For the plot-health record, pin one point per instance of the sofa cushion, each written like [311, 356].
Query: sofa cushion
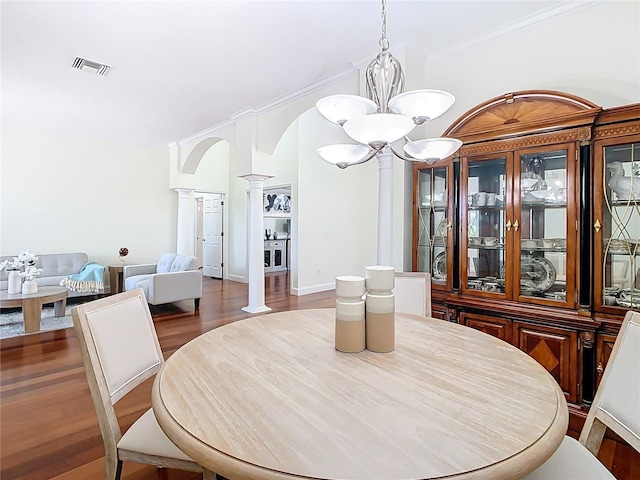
[182, 263]
[164, 264]
[49, 281]
[61, 265]
[138, 281]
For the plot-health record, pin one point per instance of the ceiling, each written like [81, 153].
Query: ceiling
[180, 67]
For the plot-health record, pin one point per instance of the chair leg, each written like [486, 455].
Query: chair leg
[208, 475]
[118, 471]
[196, 303]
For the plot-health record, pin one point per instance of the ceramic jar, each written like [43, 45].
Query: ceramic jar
[350, 317]
[14, 282]
[380, 308]
[29, 286]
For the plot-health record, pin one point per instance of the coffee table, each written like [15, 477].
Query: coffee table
[269, 397]
[31, 304]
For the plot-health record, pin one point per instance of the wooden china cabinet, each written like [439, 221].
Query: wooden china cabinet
[532, 231]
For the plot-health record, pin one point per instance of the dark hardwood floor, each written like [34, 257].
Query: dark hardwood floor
[48, 426]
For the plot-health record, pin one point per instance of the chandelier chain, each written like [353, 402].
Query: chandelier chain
[384, 43]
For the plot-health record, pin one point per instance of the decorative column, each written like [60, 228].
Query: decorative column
[256, 245]
[385, 208]
[185, 239]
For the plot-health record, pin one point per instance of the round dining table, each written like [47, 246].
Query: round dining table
[269, 397]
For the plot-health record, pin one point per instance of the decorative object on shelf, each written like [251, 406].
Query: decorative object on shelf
[386, 116]
[267, 234]
[440, 266]
[350, 317]
[275, 235]
[533, 188]
[440, 199]
[490, 241]
[123, 252]
[380, 308]
[625, 188]
[618, 245]
[537, 274]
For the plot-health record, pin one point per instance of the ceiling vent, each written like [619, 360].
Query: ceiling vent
[82, 63]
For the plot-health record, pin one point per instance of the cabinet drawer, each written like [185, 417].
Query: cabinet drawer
[555, 349]
[497, 327]
[274, 244]
[439, 311]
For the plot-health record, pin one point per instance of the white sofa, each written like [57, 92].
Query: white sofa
[55, 267]
[174, 278]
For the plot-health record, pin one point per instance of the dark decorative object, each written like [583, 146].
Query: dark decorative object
[277, 203]
[123, 252]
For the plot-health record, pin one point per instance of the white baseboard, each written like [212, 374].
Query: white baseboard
[237, 278]
[312, 289]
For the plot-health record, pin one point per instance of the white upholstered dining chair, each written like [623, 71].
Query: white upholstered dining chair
[413, 293]
[120, 350]
[616, 405]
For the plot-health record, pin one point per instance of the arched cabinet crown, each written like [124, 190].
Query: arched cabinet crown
[526, 112]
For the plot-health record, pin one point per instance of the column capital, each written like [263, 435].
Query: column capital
[183, 192]
[256, 178]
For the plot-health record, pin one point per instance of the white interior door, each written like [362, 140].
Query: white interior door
[212, 235]
[199, 230]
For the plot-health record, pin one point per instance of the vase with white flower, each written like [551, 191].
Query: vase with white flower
[30, 273]
[14, 280]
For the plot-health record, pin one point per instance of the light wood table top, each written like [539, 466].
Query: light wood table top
[270, 398]
[31, 304]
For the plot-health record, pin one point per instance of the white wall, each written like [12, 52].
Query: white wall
[336, 211]
[64, 193]
[593, 52]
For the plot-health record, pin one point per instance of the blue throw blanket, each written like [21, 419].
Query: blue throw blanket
[89, 280]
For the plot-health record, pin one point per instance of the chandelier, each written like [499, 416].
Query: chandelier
[386, 116]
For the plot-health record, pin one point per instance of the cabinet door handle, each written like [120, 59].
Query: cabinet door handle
[516, 225]
[597, 226]
[449, 225]
[508, 225]
[599, 368]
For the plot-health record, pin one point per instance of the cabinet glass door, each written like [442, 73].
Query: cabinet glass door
[486, 206]
[543, 226]
[433, 225]
[618, 228]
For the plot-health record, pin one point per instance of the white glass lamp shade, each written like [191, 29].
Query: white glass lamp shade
[379, 129]
[432, 149]
[342, 108]
[422, 104]
[343, 154]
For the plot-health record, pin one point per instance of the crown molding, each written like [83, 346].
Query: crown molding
[527, 22]
[314, 87]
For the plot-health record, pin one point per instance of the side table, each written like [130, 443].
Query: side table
[115, 278]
